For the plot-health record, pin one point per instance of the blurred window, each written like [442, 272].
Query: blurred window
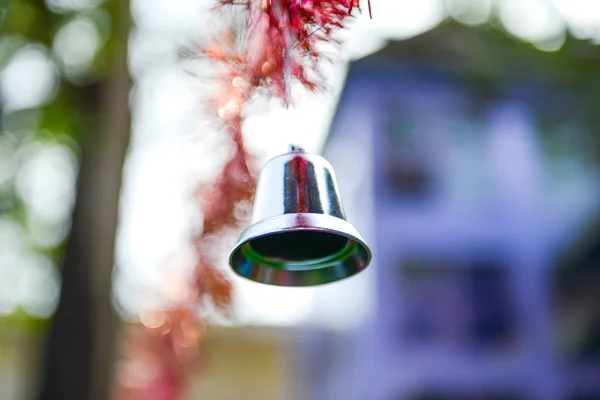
[463, 303]
[409, 170]
[434, 137]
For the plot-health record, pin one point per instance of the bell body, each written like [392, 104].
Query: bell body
[298, 234]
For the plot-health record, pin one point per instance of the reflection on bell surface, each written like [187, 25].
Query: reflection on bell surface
[299, 235]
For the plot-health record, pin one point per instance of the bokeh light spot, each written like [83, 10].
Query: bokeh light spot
[46, 180]
[76, 44]
[28, 80]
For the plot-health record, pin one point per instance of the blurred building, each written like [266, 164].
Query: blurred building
[468, 157]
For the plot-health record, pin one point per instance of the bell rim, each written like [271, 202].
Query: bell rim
[300, 222]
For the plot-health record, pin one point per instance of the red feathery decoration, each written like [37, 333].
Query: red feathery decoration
[280, 42]
[158, 359]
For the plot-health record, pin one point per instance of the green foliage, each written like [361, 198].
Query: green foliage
[68, 114]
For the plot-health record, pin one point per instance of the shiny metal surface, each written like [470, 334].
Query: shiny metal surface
[298, 234]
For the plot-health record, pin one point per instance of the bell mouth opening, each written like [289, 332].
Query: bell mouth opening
[298, 251]
[297, 248]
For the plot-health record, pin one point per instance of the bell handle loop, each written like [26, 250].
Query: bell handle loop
[295, 148]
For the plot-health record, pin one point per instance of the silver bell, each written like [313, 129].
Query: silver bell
[298, 235]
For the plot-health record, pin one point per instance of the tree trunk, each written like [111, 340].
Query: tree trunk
[80, 349]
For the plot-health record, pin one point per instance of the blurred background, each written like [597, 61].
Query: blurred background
[464, 138]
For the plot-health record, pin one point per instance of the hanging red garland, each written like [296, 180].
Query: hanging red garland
[280, 41]
[277, 45]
